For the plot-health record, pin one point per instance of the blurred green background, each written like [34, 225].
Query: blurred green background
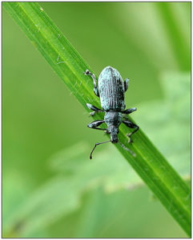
[50, 188]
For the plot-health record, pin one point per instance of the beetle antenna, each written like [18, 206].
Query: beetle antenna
[127, 149]
[95, 147]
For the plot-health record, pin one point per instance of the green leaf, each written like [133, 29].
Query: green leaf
[62, 194]
[170, 120]
[152, 167]
[74, 175]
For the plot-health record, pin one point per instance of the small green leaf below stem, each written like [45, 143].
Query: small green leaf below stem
[149, 163]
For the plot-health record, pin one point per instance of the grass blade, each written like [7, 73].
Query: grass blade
[151, 166]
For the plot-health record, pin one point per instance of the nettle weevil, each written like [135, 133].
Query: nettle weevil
[111, 89]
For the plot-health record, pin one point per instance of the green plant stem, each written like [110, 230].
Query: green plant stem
[149, 163]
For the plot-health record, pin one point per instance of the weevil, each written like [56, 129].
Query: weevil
[111, 90]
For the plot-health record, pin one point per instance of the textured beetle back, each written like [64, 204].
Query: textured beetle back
[111, 90]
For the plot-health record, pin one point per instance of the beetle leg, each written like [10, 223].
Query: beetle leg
[125, 118]
[131, 125]
[130, 110]
[126, 84]
[87, 72]
[95, 109]
[95, 125]
[96, 144]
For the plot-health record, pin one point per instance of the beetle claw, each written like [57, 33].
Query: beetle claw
[129, 136]
[130, 141]
[92, 113]
[87, 72]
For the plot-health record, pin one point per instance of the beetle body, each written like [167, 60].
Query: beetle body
[111, 89]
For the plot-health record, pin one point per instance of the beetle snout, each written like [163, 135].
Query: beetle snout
[114, 139]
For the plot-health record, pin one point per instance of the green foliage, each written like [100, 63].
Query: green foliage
[62, 194]
[168, 121]
[149, 163]
[75, 176]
